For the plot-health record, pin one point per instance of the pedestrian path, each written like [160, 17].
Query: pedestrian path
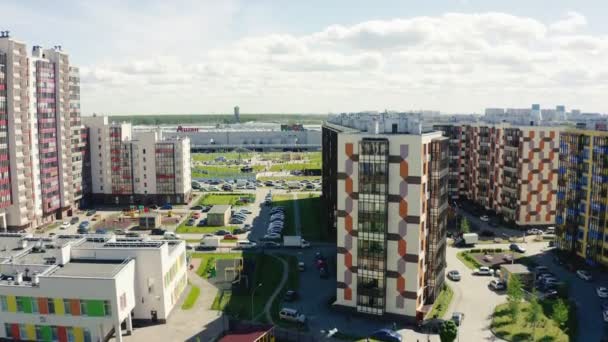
[277, 290]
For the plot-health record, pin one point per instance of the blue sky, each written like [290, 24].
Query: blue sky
[188, 56]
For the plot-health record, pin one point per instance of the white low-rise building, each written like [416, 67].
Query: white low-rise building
[83, 288]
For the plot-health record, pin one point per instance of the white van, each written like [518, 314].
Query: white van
[292, 315]
[244, 244]
[171, 236]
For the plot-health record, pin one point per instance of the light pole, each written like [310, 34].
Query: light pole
[252, 293]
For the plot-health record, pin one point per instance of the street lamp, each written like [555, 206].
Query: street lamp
[252, 293]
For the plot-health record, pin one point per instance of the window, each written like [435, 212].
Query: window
[144, 152]
[67, 307]
[83, 308]
[107, 308]
[51, 305]
[3, 304]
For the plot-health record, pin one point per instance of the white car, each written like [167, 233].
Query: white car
[65, 225]
[585, 275]
[484, 218]
[483, 271]
[602, 292]
[292, 315]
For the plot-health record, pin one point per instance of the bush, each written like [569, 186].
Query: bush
[474, 250]
[498, 250]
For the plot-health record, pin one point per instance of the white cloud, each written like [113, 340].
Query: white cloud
[454, 62]
[573, 22]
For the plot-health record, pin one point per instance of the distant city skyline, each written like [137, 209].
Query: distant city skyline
[206, 57]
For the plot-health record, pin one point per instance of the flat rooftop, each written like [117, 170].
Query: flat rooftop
[219, 209]
[90, 268]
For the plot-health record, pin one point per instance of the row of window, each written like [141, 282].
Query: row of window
[31, 332]
[55, 306]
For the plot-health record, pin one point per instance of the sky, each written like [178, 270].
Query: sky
[455, 56]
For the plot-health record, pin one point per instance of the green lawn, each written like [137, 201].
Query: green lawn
[228, 155]
[296, 166]
[313, 227]
[224, 199]
[286, 201]
[293, 283]
[183, 229]
[195, 291]
[467, 260]
[238, 305]
[521, 330]
[208, 261]
[442, 303]
[288, 178]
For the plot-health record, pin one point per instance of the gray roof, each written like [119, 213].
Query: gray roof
[90, 268]
[219, 209]
[516, 268]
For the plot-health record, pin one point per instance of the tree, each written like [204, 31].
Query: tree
[560, 312]
[464, 226]
[534, 313]
[448, 331]
[515, 294]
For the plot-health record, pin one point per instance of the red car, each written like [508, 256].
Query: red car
[196, 215]
[230, 237]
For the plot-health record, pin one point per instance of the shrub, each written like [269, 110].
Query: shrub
[498, 250]
[474, 250]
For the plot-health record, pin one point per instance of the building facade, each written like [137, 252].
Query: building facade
[82, 288]
[140, 168]
[41, 114]
[583, 195]
[511, 170]
[391, 209]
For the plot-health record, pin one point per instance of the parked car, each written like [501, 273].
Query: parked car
[158, 231]
[585, 275]
[497, 285]
[605, 316]
[83, 224]
[454, 275]
[197, 207]
[236, 221]
[484, 218]
[205, 209]
[292, 315]
[245, 211]
[245, 244]
[82, 230]
[196, 215]
[167, 207]
[74, 220]
[91, 212]
[202, 223]
[238, 231]
[272, 236]
[290, 296]
[386, 335]
[153, 207]
[230, 237]
[222, 232]
[190, 222]
[483, 271]
[119, 231]
[551, 294]
[458, 318]
[247, 227]
[133, 234]
[323, 273]
[517, 248]
[602, 292]
[271, 244]
[171, 236]
[65, 225]
[301, 266]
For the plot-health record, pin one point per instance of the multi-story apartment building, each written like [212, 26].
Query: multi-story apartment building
[140, 168]
[77, 288]
[37, 104]
[583, 195]
[390, 204]
[509, 169]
